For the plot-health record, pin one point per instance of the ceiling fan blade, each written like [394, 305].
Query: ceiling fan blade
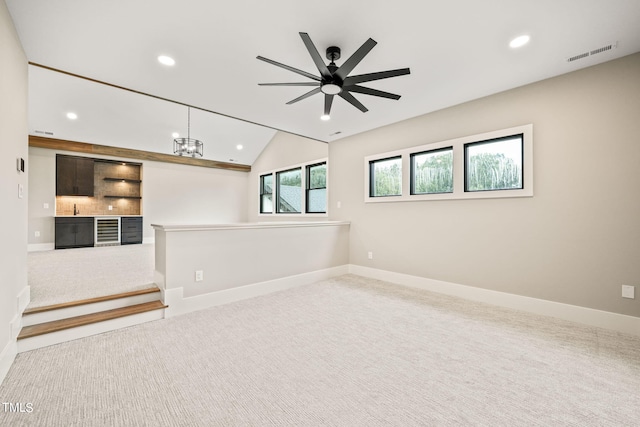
[328, 100]
[369, 91]
[355, 59]
[290, 84]
[306, 95]
[286, 67]
[353, 101]
[361, 78]
[315, 55]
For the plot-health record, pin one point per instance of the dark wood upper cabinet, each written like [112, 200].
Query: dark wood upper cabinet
[74, 176]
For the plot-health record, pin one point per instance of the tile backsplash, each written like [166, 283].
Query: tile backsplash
[99, 204]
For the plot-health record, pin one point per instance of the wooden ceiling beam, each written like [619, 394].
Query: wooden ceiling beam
[105, 150]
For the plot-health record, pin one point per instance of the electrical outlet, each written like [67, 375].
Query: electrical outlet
[37, 234]
[628, 291]
[199, 276]
[110, 207]
[370, 255]
[45, 205]
[339, 204]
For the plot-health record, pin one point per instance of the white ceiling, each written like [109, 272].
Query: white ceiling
[457, 51]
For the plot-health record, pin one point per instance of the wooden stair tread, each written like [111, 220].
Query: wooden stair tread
[90, 301]
[72, 322]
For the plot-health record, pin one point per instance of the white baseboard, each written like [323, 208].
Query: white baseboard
[7, 357]
[584, 315]
[37, 247]
[178, 304]
[24, 298]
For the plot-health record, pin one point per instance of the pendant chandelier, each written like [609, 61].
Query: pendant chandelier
[188, 146]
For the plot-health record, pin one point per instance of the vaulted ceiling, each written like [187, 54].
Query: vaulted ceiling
[457, 50]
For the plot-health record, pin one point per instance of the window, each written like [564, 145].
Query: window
[316, 178]
[297, 189]
[289, 191]
[266, 193]
[494, 164]
[385, 177]
[432, 171]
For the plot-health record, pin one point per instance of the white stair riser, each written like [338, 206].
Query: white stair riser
[65, 313]
[71, 334]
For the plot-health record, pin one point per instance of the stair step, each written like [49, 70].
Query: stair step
[90, 301]
[87, 319]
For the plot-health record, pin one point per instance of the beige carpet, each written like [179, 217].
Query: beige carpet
[75, 274]
[343, 352]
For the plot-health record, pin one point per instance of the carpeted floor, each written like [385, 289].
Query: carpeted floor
[348, 351]
[75, 274]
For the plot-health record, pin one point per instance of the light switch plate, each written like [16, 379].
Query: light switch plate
[628, 291]
[20, 191]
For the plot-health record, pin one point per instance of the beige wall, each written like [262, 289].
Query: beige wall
[171, 194]
[282, 151]
[576, 241]
[13, 215]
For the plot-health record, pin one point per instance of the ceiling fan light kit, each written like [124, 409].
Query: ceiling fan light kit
[335, 80]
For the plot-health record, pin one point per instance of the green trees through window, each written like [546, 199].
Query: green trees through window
[385, 177]
[494, 165]
[432, 171]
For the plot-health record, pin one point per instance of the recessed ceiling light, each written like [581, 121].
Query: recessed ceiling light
[239, 147]
[175, 134]
[72, 116]
[166, 60]
[325, 117]
[519, 41]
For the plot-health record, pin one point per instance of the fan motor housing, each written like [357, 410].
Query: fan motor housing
[333, 53]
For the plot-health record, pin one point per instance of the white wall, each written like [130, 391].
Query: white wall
[13, 214]
[576, 241]
[171, 194]
[244, 260]
[177, 194]
[282, 151]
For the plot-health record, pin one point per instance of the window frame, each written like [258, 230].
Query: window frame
[372, 176]
[263, 193]
[277, 191]
[491, 141]
[303, 197]
[458, 168]
[412, 156]
[308, 188]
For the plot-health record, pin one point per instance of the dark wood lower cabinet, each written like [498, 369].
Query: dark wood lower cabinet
[74, 232]
[130, 230]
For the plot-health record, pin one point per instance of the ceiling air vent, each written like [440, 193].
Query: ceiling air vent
[43, 132]
[605, 48]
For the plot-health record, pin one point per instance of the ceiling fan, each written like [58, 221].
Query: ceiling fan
[334, 80]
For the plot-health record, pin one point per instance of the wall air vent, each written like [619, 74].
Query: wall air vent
[605, 48]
